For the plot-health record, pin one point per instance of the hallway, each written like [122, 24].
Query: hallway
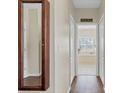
[87, 84]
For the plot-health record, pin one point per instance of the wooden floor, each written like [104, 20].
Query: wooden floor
[32, 81]
[87, 84]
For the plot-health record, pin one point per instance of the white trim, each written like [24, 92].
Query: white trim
[71, 17]
[71, 20]
[76, 50]
[70, 81]
[97, 50]
[101, 18]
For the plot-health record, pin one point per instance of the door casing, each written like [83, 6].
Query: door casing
[72, 23]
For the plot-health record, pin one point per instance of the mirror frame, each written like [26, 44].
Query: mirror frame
[45, 45]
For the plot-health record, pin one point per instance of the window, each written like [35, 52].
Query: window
[87, 45]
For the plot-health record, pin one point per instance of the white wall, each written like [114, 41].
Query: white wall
[52, 72]
[90, 32]
[86, 13]
[63, 10]
[101, 10]
[61, 46]
[72, 9]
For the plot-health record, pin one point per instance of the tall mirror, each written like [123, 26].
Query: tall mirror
[33, 45]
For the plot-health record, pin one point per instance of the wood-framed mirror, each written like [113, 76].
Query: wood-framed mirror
[33, 44]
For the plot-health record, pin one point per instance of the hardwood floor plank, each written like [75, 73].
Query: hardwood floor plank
[32, 81]
[87, 84]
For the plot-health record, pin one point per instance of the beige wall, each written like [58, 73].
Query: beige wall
[86, 13]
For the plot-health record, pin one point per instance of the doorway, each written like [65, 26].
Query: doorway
[87, 49]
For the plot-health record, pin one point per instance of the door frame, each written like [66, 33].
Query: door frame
[99, 22]
[74, 23]
[97, 47]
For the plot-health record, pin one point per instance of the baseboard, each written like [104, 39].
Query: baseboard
[102, 84]
[100, 81]
[69, 89]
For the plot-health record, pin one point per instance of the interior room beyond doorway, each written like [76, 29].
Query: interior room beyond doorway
[87, 60]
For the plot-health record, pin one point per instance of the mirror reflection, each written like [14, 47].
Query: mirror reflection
[32, 44]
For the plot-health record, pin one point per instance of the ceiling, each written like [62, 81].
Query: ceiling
[87, 3]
